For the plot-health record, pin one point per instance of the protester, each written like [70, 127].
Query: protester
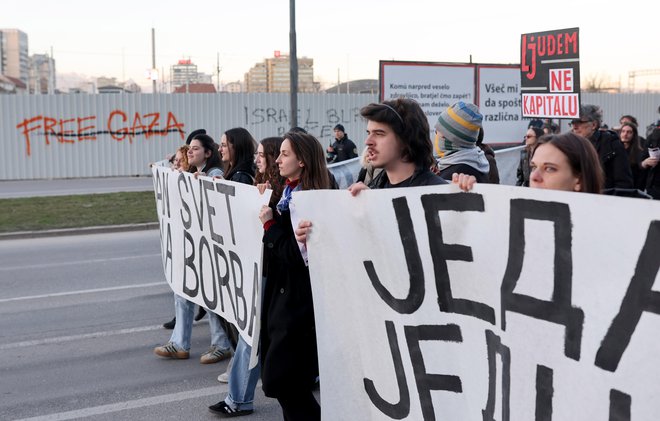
[238, 149]
[612, 155]
[203, 159]
[493, 172]
[203, 156]
[630, 139]
[343, 148]
[368, 172]
[288, 336]
[531, 137]
[650, 164]
[631, 119]
[456, 131]
[566, 162]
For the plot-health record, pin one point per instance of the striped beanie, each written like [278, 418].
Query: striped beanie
[459, 124]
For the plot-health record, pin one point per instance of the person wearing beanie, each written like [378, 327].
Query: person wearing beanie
[612, 153]
[343, 148]
[456, 134]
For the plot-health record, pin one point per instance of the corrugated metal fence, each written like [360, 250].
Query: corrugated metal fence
[67, 136]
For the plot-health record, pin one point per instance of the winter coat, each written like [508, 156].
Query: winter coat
[524, 171]
[613, 159]
[289, 361]
[344, 149]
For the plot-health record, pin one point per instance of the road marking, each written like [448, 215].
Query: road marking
[134, 404]
[82, 291]
[77, 262]
[60, 339]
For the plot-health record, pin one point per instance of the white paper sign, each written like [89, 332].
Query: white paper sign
[211, 244]
[505, 303]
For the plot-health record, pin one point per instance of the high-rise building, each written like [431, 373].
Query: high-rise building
[182, 73]
[274, 75]
[42, 74]
[14, 54]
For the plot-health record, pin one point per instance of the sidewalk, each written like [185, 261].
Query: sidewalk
[62, 187]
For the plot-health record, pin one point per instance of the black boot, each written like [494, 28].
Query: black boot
[200, 314]
[170, 325]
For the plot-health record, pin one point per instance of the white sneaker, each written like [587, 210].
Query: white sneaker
[224, 377]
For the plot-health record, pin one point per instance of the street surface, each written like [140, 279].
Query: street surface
[79, 318]
[63, 187]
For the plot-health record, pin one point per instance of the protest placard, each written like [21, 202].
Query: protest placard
[211, 244]
[500, 304]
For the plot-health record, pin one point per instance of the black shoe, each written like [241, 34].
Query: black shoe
[225, 411]
[170, 325]
[200, 314]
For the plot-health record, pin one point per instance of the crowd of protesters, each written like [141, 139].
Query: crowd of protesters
[398, 153]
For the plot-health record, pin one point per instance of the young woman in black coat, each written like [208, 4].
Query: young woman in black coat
[289, 358]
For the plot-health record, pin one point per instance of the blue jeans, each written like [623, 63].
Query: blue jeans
[184, 311]
[242, 380]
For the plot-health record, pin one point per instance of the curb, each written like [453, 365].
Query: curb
[78, 231]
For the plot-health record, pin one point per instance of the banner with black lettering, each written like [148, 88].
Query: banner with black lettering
[211, 244]
[504, 303]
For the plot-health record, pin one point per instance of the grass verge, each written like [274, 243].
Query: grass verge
[43, 213]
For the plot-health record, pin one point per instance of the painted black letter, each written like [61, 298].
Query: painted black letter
[401, 409]
[425, 381]
[407, 233]
[560, 309]
[619, 406]
[494, 346]
[441, 252]
[639, 298]
[544, 392]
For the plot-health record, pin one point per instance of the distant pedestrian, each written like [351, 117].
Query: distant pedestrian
[343, 148]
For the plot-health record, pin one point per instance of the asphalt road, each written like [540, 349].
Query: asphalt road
[79, 317]
[63, 187]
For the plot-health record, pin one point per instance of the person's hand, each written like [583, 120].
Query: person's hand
[151, 164]
[463, 181]
[263, 187]
[304, 228]
[356, 188]
[649, 162]
[198, 173]
[331, 149]
[218, 177]
[265, 214]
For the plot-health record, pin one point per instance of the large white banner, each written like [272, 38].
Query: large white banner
[211, 244]
[500, 304]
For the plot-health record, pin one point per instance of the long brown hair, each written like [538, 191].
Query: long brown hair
[581, 156]
[271, 146]
[309, 150]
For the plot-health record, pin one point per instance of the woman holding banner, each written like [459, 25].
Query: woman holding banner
[288, 335]
[566, 162]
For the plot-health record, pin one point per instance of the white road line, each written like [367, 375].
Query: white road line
[82, 291]
[134, 404]
[70, 338]
[77, 262]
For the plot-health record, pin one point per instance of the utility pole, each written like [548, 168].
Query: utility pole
[153, 59]
[217, 68]
[293, 62]
[52, 80]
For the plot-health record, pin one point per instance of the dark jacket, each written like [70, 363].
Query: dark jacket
[613, 159]
[652, 174]
[464, 169]
[289, 361]
[493, 172]
[242, 173]
[524, 171]
[421, 177]
[344, 149]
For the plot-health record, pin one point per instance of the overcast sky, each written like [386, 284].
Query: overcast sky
[114, 38]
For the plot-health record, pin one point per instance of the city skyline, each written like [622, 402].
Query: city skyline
[346, 40]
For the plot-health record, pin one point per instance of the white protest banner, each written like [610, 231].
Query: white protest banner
[345, 172]
[499, 101]
[505, 303]
[211, 244]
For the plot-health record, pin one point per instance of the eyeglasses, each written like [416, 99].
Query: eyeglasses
[578, 122]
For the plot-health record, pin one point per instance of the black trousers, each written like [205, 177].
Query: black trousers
[300, 407]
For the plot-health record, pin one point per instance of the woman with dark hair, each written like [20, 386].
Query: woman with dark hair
[566, 162]
[241, 379]
[631, 142]
[237, 148]
[203, 156]
[531, 137]
[289, 361]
